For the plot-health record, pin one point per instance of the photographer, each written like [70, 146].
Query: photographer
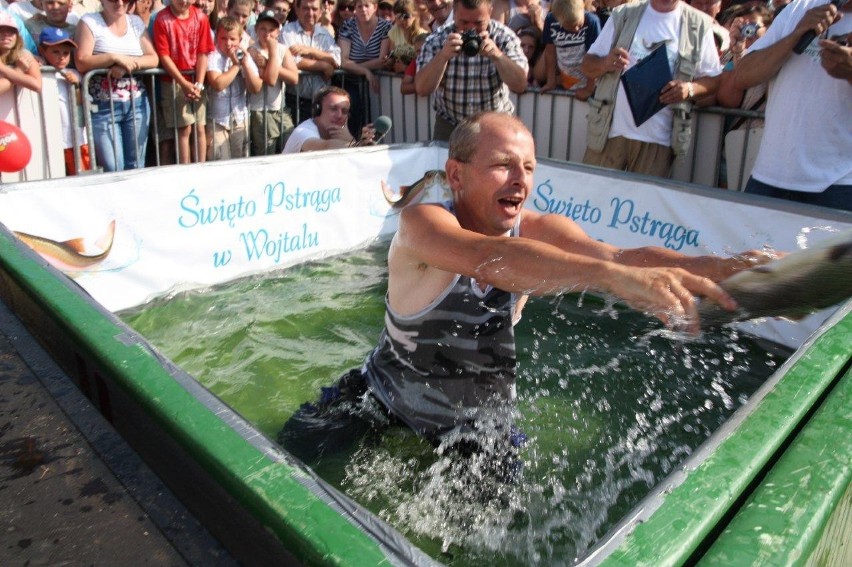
[470, 66]
[804, 155]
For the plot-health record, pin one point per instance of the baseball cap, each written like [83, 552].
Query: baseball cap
[267, 15]
[55, 36]
[8, 21]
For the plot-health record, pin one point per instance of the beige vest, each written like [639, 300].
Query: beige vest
[625, 18]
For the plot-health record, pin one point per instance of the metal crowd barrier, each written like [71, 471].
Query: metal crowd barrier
[557, 120]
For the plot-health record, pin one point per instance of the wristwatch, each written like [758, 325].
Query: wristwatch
[199, 86]
[690, 91]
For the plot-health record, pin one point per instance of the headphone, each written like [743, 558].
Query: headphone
[316, 106]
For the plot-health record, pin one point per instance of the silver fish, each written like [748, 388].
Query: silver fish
[791, 287]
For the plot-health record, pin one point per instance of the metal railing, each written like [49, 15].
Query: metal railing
[557, 120]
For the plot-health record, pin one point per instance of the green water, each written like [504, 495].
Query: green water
[610, 401]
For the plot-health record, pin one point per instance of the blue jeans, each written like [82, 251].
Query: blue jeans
[835, 196]
[120, 143]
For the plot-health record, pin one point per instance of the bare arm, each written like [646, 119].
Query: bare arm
[509, 71]
[762, 65]
[24, 73]
[430, 246]
[594, 66]
[428, 77]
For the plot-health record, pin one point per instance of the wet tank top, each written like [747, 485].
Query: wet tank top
[446, 365]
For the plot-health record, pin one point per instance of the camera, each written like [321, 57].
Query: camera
[471, 42]
[749, 30]
[240, 54]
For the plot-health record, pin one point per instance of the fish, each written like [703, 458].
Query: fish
[71, 256]
[791, 287]
[432, 187]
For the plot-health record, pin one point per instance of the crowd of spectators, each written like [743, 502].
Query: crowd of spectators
[240, 74]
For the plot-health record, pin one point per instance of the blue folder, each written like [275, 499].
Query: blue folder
[643, 83]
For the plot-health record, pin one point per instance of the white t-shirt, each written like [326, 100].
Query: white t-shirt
[228, 106]
[65, 116]
[654, 27]
[807, 140]
[269, 98]
[303, 132]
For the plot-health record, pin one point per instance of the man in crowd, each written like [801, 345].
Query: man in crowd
[327, 130]
[315, 52]
[441, 11]
[805, 153]
[456, 275]
[477, 79]
[632, 33]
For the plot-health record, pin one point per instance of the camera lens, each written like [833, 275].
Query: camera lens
[471, 43]
[748, 30]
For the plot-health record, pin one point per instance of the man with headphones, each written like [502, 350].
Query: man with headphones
[327, 130]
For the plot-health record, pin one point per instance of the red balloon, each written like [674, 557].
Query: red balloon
[15, 149]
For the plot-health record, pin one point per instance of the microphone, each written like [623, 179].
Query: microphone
[382, 125]
[809, 35]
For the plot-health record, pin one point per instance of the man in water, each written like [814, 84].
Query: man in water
[458, 271]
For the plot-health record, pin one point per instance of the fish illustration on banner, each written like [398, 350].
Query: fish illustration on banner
[431, 188]
[71, 256]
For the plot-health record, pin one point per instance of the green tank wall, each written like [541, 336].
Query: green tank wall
[774, 490]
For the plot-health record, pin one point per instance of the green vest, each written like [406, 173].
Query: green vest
[625, 18]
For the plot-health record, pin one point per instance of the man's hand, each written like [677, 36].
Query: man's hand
[836, 59]
[489, 48]
[669, 294]
[452, 47]
[817, 19]
[674, 92]
[616, 60]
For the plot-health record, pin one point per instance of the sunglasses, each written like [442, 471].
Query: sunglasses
[346, 7]
[404, 16]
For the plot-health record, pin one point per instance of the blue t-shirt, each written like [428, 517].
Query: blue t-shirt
[571, 47]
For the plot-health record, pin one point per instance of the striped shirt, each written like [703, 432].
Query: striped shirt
[360, 51]
[471, 84]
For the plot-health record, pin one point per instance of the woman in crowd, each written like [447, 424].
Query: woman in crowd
[117, 41]
[364, 47]
[532, 48]
[406, 27]
[18, 68]
[344, 12]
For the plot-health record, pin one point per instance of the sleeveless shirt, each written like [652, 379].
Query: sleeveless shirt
[446, 365]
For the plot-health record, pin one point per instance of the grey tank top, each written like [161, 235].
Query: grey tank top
[443, 367]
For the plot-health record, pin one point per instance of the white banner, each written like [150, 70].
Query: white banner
[183, 227]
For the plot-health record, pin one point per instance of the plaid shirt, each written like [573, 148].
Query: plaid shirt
[471, 84]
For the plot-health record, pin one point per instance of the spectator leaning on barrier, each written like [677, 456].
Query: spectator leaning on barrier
[805, 152]
[56, 47]
[406, 27]
[231, 75]
[270, 122]
[116, 41]
[327, 129]
[569, 31]
[315, 53]
[18, 67]
[182, 40]
[632, 32]
[533, 51]
[476, 79]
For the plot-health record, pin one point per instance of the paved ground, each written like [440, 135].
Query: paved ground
[71, 491]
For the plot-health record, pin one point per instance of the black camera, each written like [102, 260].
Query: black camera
[471, 42]
[749, 30]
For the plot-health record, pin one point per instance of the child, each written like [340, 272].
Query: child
[569, 31]
[182, 40]
[56, 15]
[230, 73]
[18, 67]
[270, 122]
[407, 84]
[56, 46]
